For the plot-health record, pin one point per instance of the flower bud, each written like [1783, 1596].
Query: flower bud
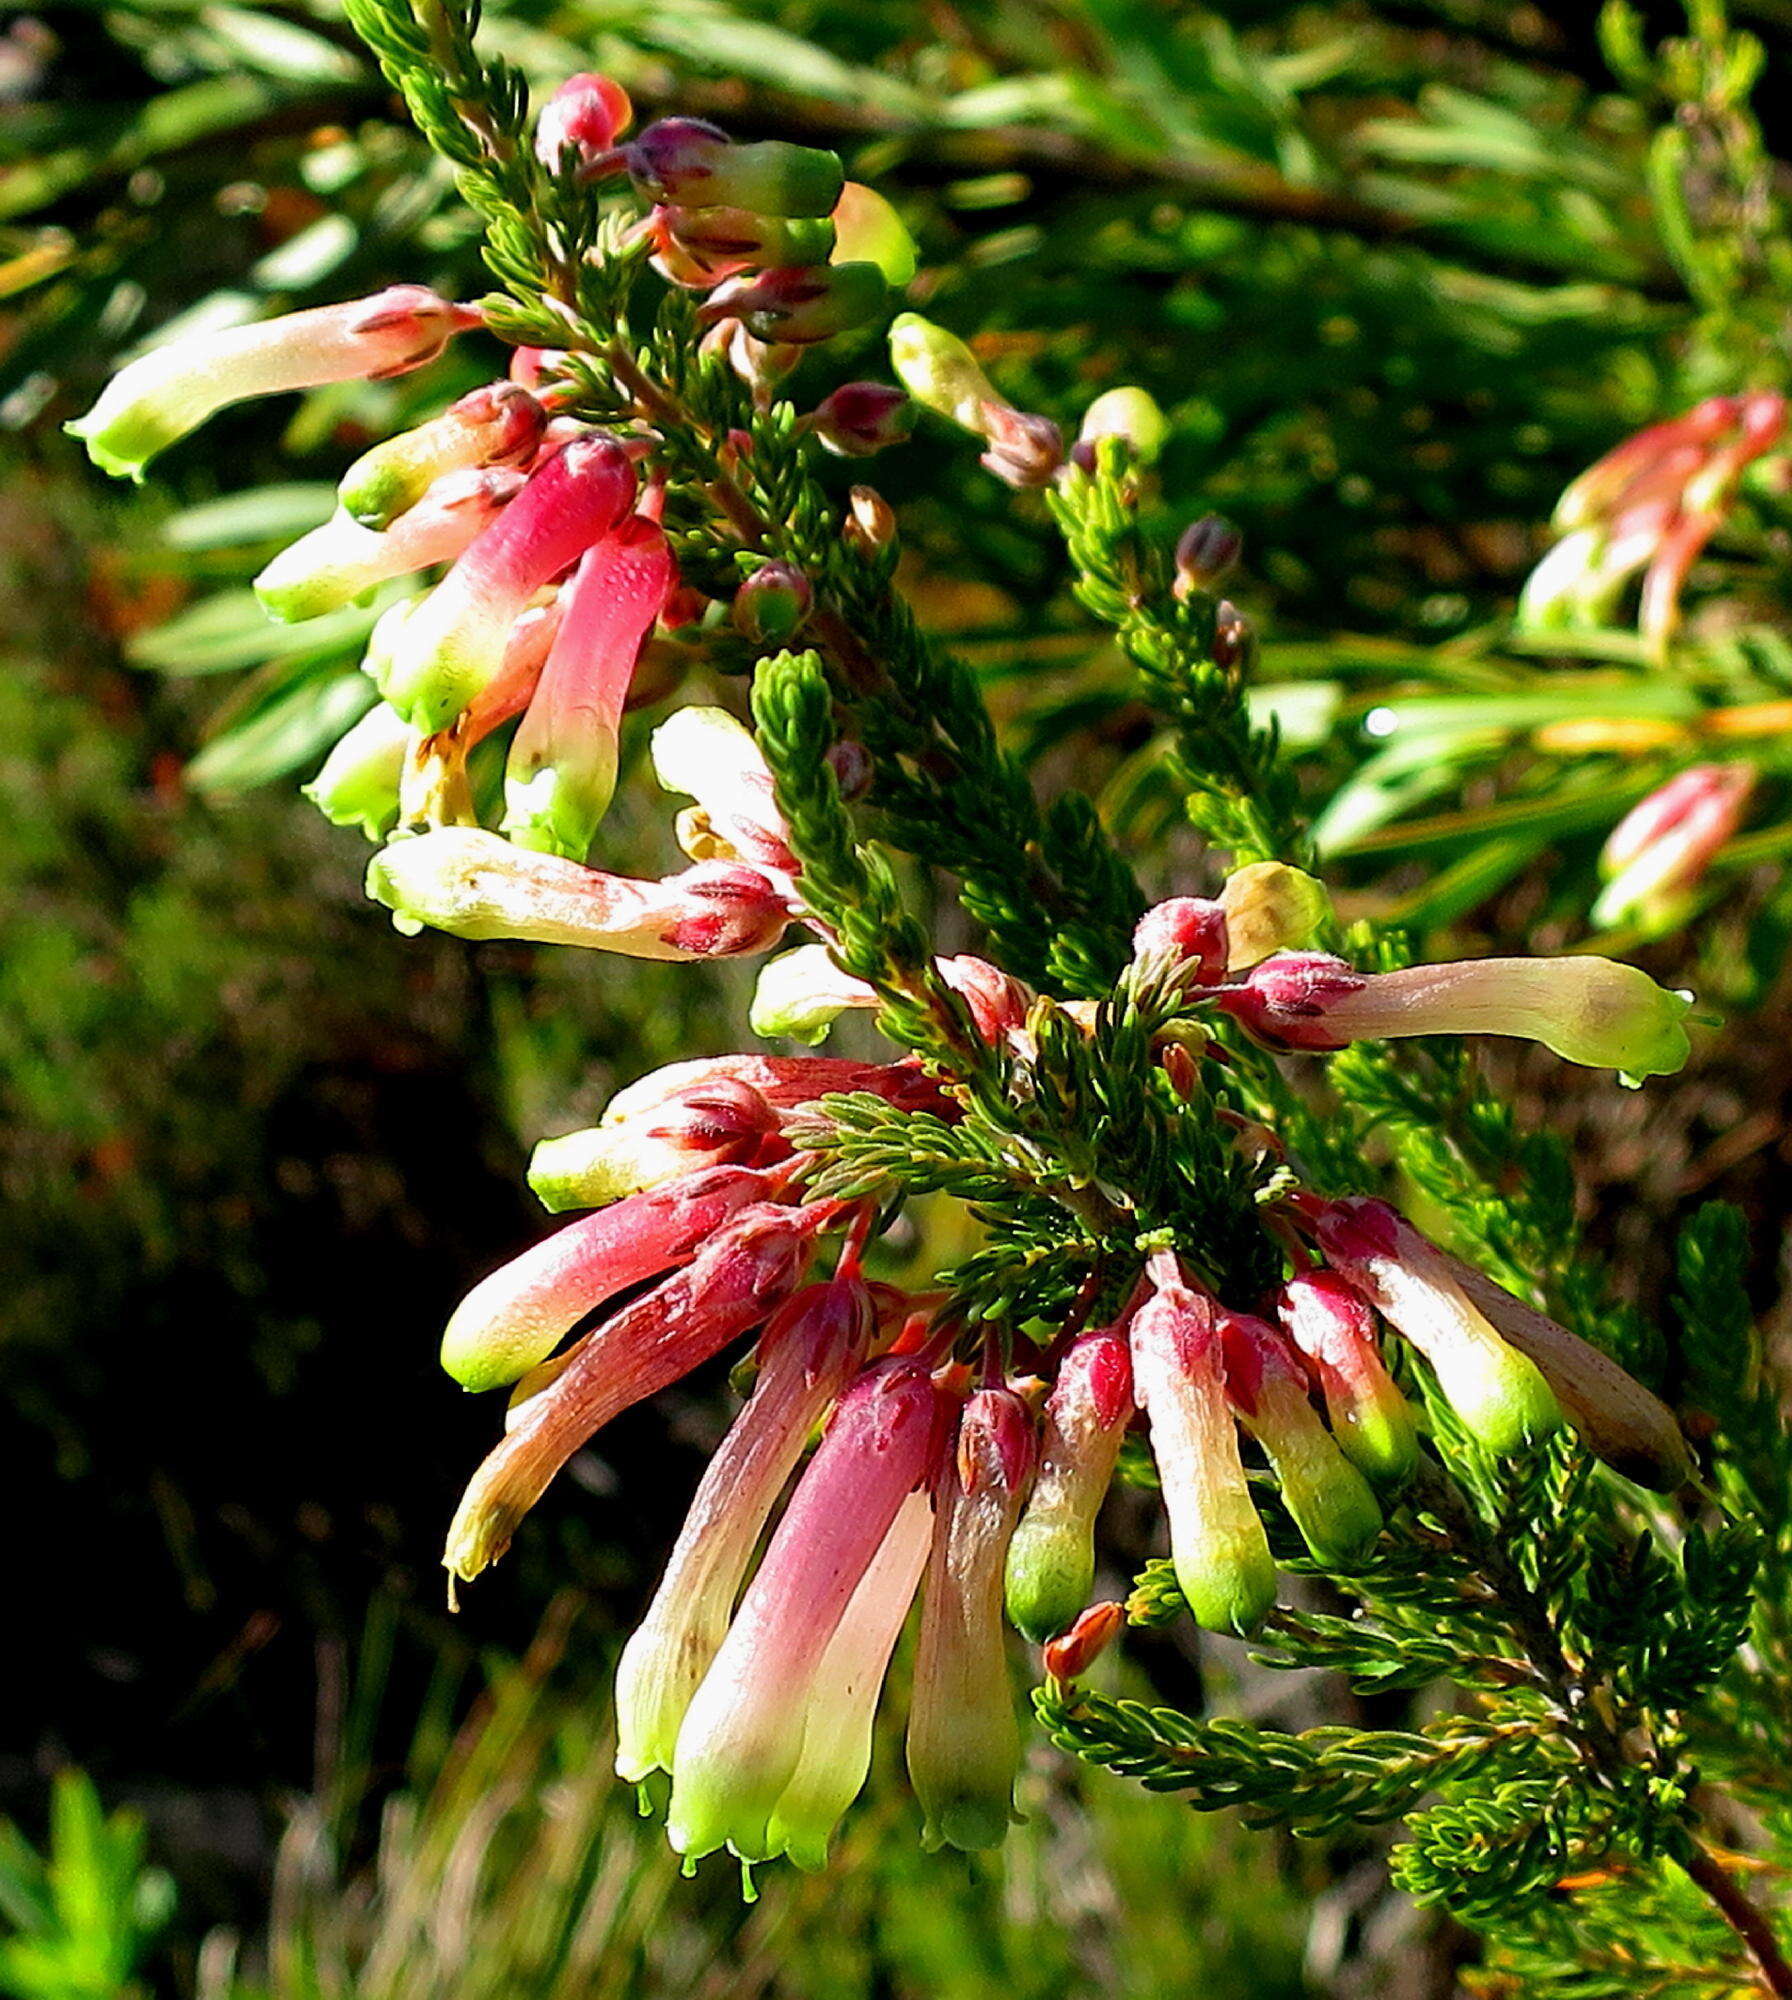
[799, 304]
[709, 756]
[861, 418]
[735, 1281]
[1661, 848]
[868, 230]
[1234, 640]
[870, 529]
[692, 164]
[1068, 1657]
[335, 564]
[1051, 1560]
[500, 424]
[1190, 932]
[171, 390]
[1501, 1397]
[1586, 1010]
[561, 773]
[1024, 450]
[721, 1122]
[998, 1003]
[582, 119]
[1270, 907]
[1127, 413]
[802, 993]
[1334, 1327]
[455, 643]
[963, 1739]
[1217, 1544]
[769, 608]
[358, 785]
[842, 1706]
[1207, 551]
[478, 885]
[700, 247]
[814, 1343]
[520, 1314]
[1327, 1496]
[852, 768]
[742, 1739]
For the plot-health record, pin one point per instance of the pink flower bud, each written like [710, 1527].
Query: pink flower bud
[1328, 1498]
[799, 304]
[1500, 1396]
[861, 418]
[1206, 553]
[1073, 1653]
[521, 1313]
[739, 1277]
[742, 1738]
[478, 885]
[963, 1739]
[770, 607]
[1234, 640]
[171, 390]
[583, 118]
[692, 164]
[700, 247]
[538, 368]
[1051, 1560]
[1024, 450]
[561, 774]
[1217, 1544]
[455, 644]
[1334, 1327]
[998, 1004]
[1662, 847]
[335, 564]
[813, 1344]
[500, 424]
[1190, 931]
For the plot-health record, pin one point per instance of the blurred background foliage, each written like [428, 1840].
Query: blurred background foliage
[1396, 271]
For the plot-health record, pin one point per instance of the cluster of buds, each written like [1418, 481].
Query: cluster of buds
[1648, 508]
[1658, 853]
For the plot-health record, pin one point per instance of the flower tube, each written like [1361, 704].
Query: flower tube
[742, 1739]
[1586, 1010]
[963, 1739]
[358, 784]
[797, 305]
[1327, 1496]
[509, 691]
[478, 885]
[454, 644]
[1217, 1544]
[1661, 848]
[710, 757]
[1501, 1397]
[562, 769]
[689, 163]
[335, 564]
[160, 397]
[500, 424]
[513, 1319]
[814, 1343]
[699, 247]
[836, 1754]
[1051, 1560]
[741, 1275]
[1333, 1325]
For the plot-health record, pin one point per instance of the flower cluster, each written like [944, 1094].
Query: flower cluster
[962, 1459]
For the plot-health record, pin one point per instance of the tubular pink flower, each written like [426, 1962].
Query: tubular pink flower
[454, 644]
[335, 564]
[797, 305]
[1592, 496]
[813, 1344]
[741, 1275]
[690, 163]
[707, 1112]
[710, 757]
[836, 1753]
[508, 693]
[742, 1738]
[1586, 1010]
[583, 120]
[862, 418]
[1051, 1560]
[1501, 1397]
[171, 390]
[562, 770]
[478, 885]
[1190, 931]
[500, 424]
[1333, 1325]
[963, 1739]
[1662, 847]
[1217, 1544]
[700, 247]
[1327, 1496]
[520, 1314]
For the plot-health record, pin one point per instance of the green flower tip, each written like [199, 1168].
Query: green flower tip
[1229, 1592]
